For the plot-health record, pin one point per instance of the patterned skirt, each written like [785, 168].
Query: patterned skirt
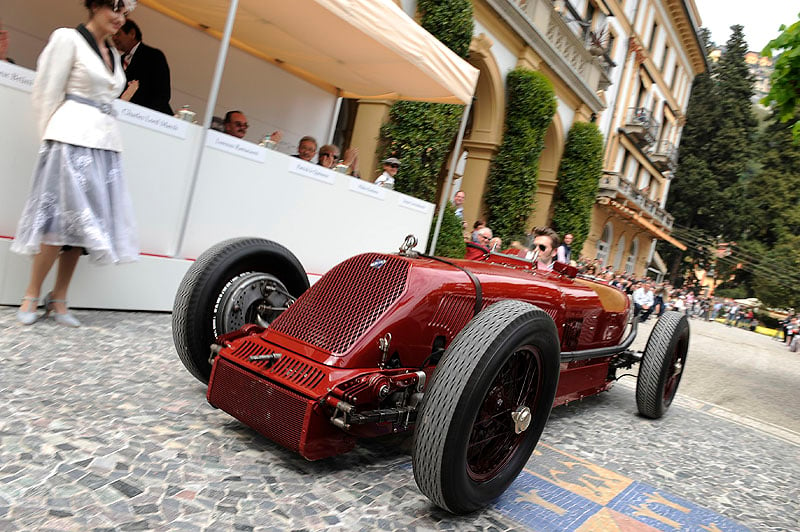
[79, 198]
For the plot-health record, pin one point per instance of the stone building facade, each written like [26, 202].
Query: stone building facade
[627, 65]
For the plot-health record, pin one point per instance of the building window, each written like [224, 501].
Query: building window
[630, 171]
[604, 244]
[620, 253]
[664, 56]
[644, 181]
[641, 97]
[630, 264]
[655, 191]
[674, 75]
[610, 46]
[652, 42]
[590, 9]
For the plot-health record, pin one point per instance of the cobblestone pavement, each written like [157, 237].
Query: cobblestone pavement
[101, 428]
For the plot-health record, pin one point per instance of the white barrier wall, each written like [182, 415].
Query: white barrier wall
[242, 190]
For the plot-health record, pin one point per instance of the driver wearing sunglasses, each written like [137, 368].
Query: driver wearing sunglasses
[545, 242]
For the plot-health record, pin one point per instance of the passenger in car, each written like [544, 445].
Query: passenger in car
[476, 250]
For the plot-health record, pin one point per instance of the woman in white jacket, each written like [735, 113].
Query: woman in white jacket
[79, 201]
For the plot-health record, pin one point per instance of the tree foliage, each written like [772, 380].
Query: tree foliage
[513, 176]
[421, 134]
[578, 177]
[716, 152]
[773, 195]
[784, 90]
[451, 236]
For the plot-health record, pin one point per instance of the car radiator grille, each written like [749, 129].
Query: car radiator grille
[271, 410]
[288, 367]
[338, 308]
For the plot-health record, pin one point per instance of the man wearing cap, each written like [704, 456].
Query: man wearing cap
[390, 167]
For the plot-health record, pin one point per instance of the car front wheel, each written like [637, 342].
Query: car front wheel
[486, 406]
[238, 281]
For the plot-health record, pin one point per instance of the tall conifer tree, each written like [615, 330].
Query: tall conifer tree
[731, 151]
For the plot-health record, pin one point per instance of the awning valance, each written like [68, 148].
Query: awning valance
[354, 48]
[641, 221]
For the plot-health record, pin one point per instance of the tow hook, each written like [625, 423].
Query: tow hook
[383, 345]
[215, 349]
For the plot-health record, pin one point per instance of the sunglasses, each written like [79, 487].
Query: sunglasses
[541, 247]
[327, 155]
[394, 165]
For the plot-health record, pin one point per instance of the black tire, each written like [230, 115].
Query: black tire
[662, 364]
[194, 314]
[470, 399]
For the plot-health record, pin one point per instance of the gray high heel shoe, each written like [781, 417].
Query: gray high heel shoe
[31, 316]
[66, 319]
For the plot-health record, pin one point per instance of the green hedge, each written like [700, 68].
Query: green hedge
[512, 179]
[421, 134]
[451, 235]
[578, 178]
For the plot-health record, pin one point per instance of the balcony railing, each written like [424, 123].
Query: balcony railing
[641, 126]
[665, 156]
[614, 186]
[568, 35]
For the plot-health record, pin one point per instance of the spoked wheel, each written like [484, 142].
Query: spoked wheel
[238, 281]
[505, 415]
[662, 364]
[486, 406]
[250, 297]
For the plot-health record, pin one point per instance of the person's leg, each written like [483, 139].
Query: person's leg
[42, 262]
[66, 267]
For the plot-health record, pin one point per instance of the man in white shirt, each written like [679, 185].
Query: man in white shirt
[643, 301]
[458, 203]
[390, 168]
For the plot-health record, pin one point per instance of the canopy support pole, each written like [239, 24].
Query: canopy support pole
[334, 119]
[222, 57]
[450, 173]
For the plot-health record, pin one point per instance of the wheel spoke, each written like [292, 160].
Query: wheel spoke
[493, 439]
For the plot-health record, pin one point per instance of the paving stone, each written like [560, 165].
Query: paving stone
[126, 489]
[133, 445]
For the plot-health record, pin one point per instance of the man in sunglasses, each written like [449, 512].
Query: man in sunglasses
[390, 168]
[545, 241]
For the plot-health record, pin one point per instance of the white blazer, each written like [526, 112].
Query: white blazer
[69, 65]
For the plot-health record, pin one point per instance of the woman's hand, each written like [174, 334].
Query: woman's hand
[133, 86]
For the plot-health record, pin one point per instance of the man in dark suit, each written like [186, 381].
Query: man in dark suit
[147, 65]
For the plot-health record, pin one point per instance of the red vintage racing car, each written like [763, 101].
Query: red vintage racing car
[470, 355]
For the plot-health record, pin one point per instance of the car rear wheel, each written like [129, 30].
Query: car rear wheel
[238, 281]
[486, 406]
[662, 364]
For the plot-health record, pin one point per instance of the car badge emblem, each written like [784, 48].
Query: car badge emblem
[377, 264]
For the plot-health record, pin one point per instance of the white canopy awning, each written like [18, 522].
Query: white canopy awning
[354, 48]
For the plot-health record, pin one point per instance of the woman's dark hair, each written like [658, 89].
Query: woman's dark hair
[101, 3]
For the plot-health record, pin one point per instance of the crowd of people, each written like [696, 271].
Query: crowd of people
[650, 298]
